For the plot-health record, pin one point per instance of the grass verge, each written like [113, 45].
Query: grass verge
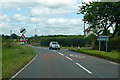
[112, 56]
[13, 58]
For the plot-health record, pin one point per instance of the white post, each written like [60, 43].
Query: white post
[71, 46]
[78, 47]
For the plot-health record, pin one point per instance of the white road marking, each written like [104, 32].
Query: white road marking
[113, 62]
[71, 54]
[68, 58]
[23, 68]
[84, 68]
[53, 50]
[75, 55]
[60, 53]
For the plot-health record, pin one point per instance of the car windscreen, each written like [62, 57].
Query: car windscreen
[54, 43]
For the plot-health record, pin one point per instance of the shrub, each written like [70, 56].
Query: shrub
[114, 44]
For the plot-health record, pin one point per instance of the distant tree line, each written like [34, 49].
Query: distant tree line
[74, 40]
[6, 38]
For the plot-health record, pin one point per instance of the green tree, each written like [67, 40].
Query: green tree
[118, 33]
[102, 15]
[14, 36]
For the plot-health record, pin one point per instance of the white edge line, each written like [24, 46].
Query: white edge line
[68, 58]
[84, 68]
[23, 68]
[113, 62]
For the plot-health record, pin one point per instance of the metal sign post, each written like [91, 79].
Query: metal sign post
[22, 39]
[103, 38]
[99, 44]
[106, 45]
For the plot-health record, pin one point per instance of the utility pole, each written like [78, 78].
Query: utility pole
[84, 30]
[84, 24]
[10, 34]
[35, 31]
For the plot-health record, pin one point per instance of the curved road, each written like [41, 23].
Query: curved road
[67, 64]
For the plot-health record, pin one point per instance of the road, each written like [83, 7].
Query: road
[67, 64]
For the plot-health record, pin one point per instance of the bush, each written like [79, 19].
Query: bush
[64, 41]
[114, 44]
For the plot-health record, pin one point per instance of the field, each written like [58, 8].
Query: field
[13, 58]
[113, 56]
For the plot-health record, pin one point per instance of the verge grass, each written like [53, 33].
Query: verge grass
[112, 56]
[13, 59]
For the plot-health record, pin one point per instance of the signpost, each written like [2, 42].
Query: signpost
[22, 39]
[102, 38]
[23, 30]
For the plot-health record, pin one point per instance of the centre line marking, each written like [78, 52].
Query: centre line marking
[60, 53]
[84, 68]
[68, 58]
[53, 50]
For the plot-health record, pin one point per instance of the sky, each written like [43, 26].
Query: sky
[48, 17]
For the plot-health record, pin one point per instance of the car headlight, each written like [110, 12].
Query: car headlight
[59, 46]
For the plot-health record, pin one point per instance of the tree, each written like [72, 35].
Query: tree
[102, 15]
[14, 36]
[118, 33]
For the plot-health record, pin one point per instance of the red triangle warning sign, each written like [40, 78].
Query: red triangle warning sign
[22, 39]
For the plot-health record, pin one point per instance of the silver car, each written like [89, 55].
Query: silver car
[54, 45]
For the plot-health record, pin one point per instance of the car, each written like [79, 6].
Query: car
[54, 45]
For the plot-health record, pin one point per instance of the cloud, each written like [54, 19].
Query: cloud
[18, 9]
[47, 16]
[19, 17]
[6, 27]
[52, 26]
[43, 7]
[4, 18]
[63, 21]
[87, 1]
[61, 26]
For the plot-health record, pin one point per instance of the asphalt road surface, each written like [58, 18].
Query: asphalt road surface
[67, 64]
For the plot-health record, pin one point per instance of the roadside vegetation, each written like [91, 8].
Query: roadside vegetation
[13, 58]
[63, 40]
[113, 55]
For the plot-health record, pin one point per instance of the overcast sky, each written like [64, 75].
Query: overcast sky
[48, 17]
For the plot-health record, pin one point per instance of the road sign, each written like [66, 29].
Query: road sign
[22, 39]
[23, 30]
[102, 38]
[100, 29]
